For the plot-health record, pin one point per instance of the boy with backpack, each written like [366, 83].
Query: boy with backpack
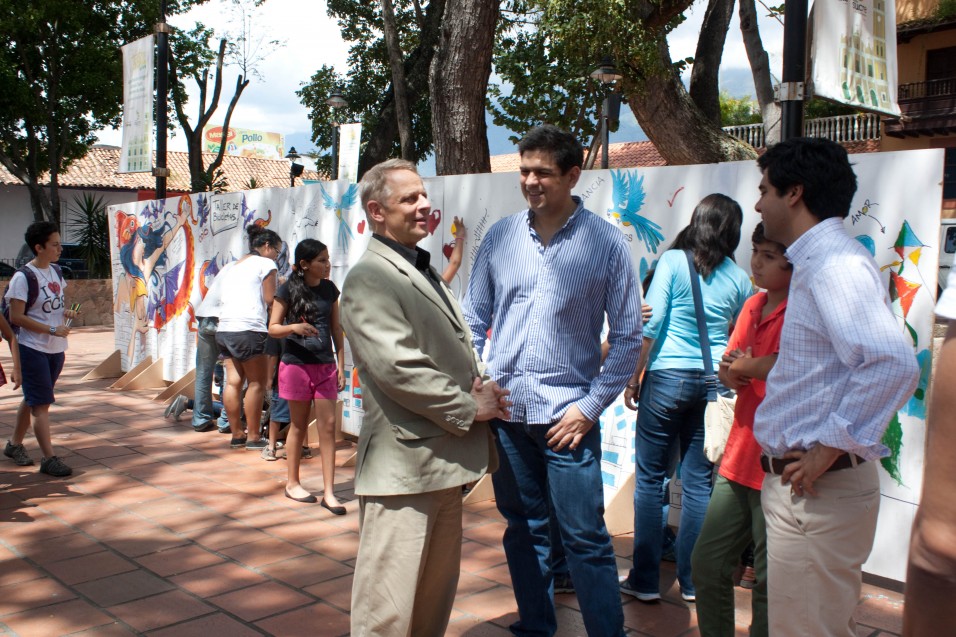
[36, 305]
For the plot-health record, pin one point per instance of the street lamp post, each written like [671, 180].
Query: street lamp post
[606, 73]
[335, 100]
[295, 169]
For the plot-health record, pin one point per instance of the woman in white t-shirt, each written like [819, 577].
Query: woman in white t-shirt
[248, 288]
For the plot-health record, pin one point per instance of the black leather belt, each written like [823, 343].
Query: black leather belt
[776, 465]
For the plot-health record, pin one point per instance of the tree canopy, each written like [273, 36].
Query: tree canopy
[543, 51]
[62, 76]
[367, 84]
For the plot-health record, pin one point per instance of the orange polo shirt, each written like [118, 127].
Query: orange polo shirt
[741, 461]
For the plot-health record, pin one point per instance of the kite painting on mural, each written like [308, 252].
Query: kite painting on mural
[905, 283]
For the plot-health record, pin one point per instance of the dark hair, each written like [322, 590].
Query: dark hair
[259, 237]
[563, 146]
[38, 233]
[821, 166]
[759, 237]
[648, 278]
[302, 306]
[713, 232]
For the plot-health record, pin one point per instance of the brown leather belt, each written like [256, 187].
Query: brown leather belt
[776, 465]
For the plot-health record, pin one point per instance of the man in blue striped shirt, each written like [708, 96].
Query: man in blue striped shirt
[544, 280]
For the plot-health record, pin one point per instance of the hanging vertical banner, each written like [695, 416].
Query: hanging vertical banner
[350, 138]
[853, 55]
[136, 155]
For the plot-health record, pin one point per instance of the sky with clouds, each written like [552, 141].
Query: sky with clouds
[312, 39]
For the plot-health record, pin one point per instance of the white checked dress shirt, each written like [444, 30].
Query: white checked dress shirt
[845, 365]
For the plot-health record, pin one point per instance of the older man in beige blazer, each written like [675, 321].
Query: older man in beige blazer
[424, 434]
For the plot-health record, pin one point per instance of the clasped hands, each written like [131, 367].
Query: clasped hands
[732, 377]
[492, 400]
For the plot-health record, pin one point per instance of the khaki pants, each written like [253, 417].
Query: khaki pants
[409, 557]
[816, 546]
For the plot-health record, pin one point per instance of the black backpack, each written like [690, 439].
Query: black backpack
[33, 291]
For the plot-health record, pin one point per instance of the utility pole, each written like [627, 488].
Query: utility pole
[791, 89]
[161, 172]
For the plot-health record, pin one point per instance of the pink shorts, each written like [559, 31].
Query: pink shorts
[305, 382]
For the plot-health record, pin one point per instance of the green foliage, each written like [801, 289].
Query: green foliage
[367, 83]
[818, 107]
[218, 183]
[89, 214]
[630, 31]
[738, 111]
[547, 83]
[945, 9]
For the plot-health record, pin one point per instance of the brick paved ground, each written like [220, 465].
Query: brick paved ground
[167, 532]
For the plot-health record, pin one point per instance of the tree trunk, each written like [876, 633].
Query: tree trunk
[241, 84]
[459, 84]
[760, 68]
[200, 177]
[679, 131]
[380, 141]
[397, 62]
[704, 89]
[40, 202]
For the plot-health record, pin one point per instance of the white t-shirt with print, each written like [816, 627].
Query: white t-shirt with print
[242, 308]
[49, 308]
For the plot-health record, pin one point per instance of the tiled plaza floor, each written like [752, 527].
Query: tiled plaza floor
[167, 532]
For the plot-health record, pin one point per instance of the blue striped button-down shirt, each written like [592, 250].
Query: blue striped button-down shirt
[845, 365]
[546, 307]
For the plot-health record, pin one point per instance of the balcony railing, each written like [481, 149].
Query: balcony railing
[842, 128]
[931, 88]
[750, 133]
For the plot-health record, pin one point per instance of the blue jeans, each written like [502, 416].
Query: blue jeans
[529, 473]
[207, 352]
[279, 410]
[671, 414]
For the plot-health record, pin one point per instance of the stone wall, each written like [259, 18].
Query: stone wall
[96, 297]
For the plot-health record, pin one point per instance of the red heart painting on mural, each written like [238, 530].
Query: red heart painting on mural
[433, 219]
[447, 249]
[54, 287]
[361, 226]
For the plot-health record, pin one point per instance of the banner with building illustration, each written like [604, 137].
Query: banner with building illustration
[244, 142]
[853, 53]
[350, 140]
[165, 253]
[136, 155]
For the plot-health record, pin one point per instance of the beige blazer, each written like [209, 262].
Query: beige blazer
[416, 364]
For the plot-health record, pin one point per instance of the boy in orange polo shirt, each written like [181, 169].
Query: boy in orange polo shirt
[734, 517]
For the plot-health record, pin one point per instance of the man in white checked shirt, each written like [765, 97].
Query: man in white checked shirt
[544, 280]
[844, 368]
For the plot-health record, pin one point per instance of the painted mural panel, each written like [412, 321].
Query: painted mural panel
[166, 252]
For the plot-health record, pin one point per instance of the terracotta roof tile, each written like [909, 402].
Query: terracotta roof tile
[98, 170]
[644, 154]
[621, 155]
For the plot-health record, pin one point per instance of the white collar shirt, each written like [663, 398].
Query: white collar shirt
[845, 364]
